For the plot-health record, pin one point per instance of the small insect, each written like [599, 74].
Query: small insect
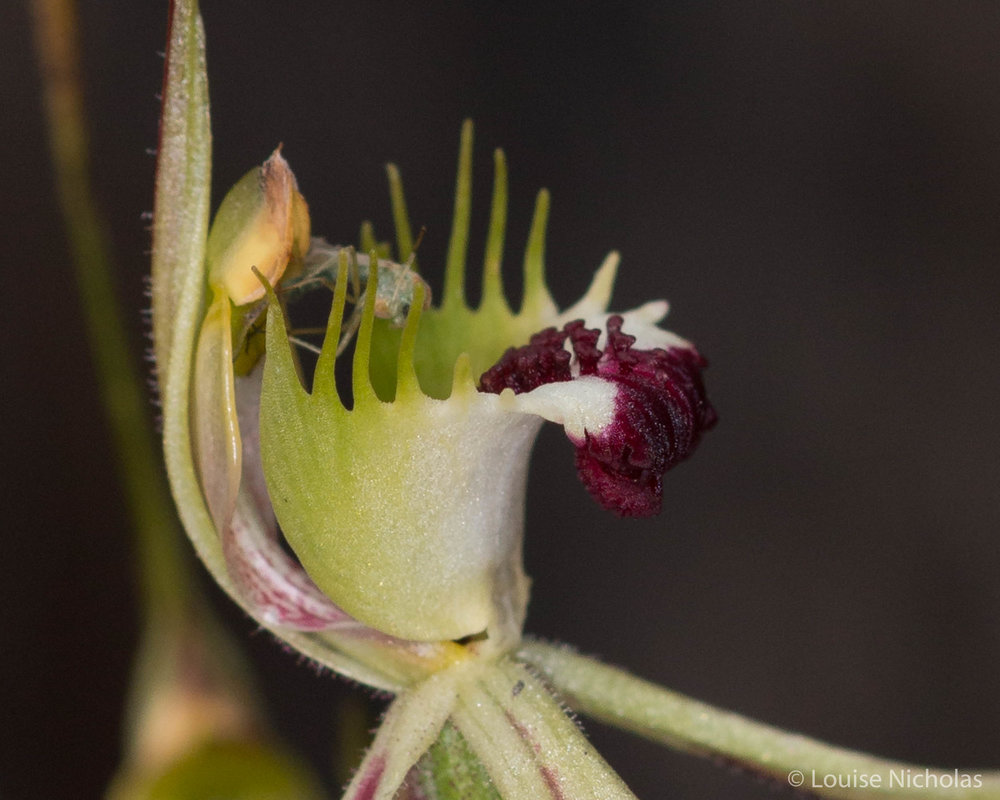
[397, 284]
[394, 292]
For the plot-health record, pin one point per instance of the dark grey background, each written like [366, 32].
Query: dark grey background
[814, 186]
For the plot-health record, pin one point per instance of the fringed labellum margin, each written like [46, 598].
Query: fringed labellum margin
[660, 408]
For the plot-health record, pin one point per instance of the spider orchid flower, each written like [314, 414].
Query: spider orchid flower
[405, 511]
[402, 506]
[402, 509]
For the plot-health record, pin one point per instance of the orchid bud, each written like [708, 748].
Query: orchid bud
[262, 224]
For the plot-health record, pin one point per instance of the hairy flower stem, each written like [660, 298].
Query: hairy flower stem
[618, 698]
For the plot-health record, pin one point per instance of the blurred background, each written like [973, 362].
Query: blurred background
[815, 187]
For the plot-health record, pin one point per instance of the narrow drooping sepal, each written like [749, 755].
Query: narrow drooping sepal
[410, 727]
[525, 741]
[659, 407]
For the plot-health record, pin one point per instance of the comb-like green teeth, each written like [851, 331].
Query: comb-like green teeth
[492, 279]
[454, 277]
[464, 379]
[404, 237]
[364, 392]
[366, 238]
[537, 299]
[368, 242]
[324, 378]
[407, 384]
[277, 343]
[598, 295]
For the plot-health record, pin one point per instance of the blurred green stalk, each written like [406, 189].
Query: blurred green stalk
[193, 724]
[164, 578]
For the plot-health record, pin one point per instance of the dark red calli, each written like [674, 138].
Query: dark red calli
[661, 409]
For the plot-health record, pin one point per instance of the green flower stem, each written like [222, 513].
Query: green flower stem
[163, 574]
[617, 698]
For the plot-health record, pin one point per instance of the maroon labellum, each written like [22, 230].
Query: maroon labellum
[660, 407]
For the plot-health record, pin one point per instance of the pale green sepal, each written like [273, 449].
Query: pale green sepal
[216, 429]
[181, 203]
[180, 229]
[526, 742]
[508, 758]
[411, 725]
